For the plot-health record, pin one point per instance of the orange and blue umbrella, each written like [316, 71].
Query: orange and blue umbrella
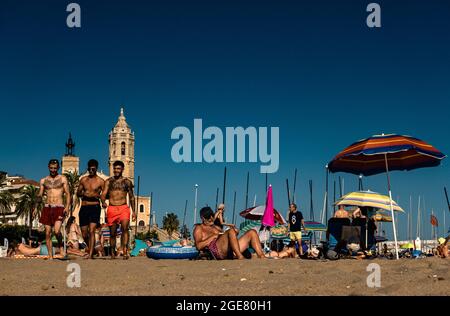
[366, 156]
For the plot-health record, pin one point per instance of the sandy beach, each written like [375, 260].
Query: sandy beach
[143, 276]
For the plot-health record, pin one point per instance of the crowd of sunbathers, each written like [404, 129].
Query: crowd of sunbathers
[212, 235]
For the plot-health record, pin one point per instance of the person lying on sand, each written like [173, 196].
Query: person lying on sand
[287, 252]
[223, 245]
[41, 250]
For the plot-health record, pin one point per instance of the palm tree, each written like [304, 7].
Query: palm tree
[6, 202]
[73, 179]
[2, 179]
[171, 223]
[29, 203]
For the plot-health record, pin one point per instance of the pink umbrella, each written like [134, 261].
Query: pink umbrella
[268, 218]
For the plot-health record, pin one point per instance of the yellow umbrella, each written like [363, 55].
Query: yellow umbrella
[407, 246]
[368, 199]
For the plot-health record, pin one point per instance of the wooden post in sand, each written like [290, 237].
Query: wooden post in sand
[184, 217]
[295, 184]
[217, 198]
[136, 207]
[224, 184]
[334, 196]
[234, 208]
[246, 192]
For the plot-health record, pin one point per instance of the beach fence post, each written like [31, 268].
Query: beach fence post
[418, 219]
[234, 208]
[334, 196]
[443, 227]
[288, 192]
[326, 193]
[195, 204]
[246, 191]
[265, 188]
[295, 184]
[311, 206]
[151, 211]
[224, 184]
[184, 217]
[446, 196]
[217, 198]
[136, 207]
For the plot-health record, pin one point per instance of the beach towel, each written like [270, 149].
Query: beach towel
[140, 244]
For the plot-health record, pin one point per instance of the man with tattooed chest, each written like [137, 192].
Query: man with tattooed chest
[89, 190]
[118, 211]
[54, 188]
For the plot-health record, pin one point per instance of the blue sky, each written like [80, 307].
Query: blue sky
[314, 69]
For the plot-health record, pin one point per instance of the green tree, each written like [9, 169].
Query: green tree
[153, 234]
[6, 202]
[29, 204]
[73, 180]
[170, 223]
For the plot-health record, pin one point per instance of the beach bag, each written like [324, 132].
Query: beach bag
[4, 249]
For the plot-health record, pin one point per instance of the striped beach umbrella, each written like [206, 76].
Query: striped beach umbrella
[248, 224]
[384, 153]
[368, 199]
[315, 226]
[367, 156]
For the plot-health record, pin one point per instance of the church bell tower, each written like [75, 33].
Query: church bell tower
[121, 146]
[70, 162]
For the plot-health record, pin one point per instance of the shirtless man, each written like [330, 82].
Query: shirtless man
[118, 212]
[341, 212]
[54, 187]
[89, 190]
[223, 244]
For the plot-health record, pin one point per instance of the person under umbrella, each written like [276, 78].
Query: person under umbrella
[384, 153]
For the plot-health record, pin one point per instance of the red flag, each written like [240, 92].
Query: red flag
[434, 221]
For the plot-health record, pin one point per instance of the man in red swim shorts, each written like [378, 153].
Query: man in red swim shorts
[118, 211]
[52, 190]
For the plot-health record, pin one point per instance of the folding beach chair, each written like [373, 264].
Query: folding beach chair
[334, 244]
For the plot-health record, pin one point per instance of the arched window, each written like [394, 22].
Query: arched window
[141, 223]
[141, 208]
[122, 148]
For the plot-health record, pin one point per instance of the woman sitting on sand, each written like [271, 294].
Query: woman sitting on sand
[73, 233]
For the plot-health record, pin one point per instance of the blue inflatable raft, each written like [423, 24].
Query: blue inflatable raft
[170, 252]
